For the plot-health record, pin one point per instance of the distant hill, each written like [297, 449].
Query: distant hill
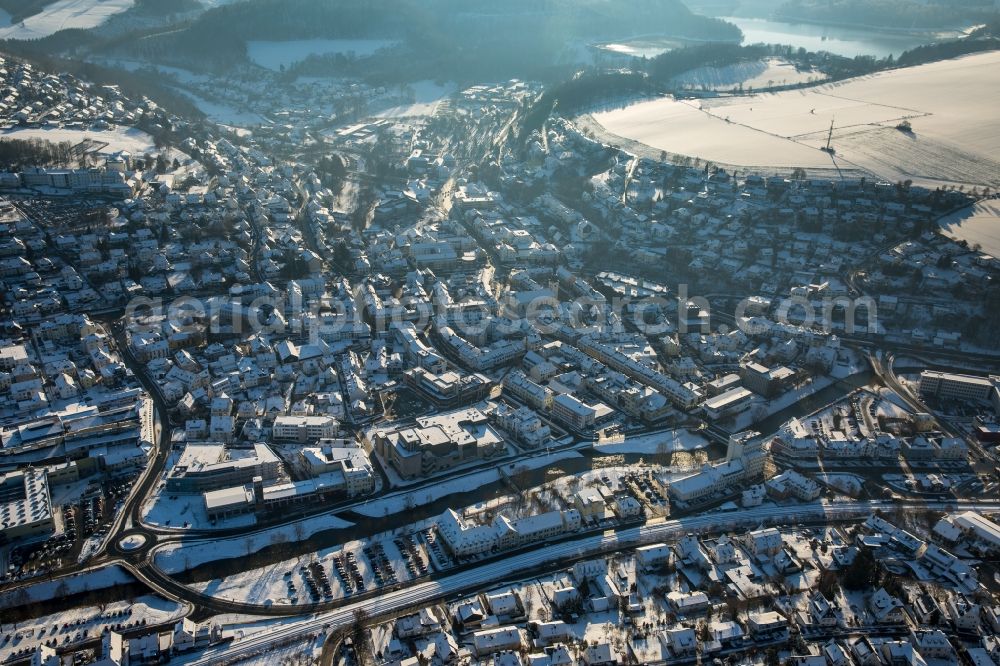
[894, 14]
[460, 39]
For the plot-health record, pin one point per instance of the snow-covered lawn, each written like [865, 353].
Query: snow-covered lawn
[184, 512]
[663, 442]
[274, 55]
[78, 624]
[223, 113]
[65, 14]
[978, 224]
[131, 139]
[400, 502]
[847, 483]
[90, 546]
[186, 555]
[951, 105]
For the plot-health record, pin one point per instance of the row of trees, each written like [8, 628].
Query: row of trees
[16, 154]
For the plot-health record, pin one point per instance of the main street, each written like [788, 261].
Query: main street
[552, 557]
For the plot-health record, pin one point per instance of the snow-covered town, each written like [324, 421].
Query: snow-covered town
[327, 351]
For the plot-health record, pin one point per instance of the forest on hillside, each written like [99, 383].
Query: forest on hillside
[457, 39]
[894, 14]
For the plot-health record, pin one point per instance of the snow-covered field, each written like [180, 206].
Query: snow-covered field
[65, 14]
[274, 55]
[135, 141]
[224, 113]
[951, 105]
[687, 127]
[186, 555]
[427, 95]
[648, 47]
[665, 442]
[765, 73]
[978, 224]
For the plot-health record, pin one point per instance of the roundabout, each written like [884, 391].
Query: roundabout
[132, 542]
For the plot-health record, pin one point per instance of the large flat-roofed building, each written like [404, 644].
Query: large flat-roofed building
[204, 467]
[25, 504]
[228, 502]
[448, 389]
[953, 386]
[763, 380]
[339, 471]
[438, 442]
[980, 530]
[728, 403]
[304, 428]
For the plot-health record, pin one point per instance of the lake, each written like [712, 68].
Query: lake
[848, 42]
[842, 41]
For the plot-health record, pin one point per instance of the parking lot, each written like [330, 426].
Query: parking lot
[360, 568]
[88, 518]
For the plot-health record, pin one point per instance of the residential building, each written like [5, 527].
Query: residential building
[304, 428]
[573, 412]
[522, 388]
[954, 386]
